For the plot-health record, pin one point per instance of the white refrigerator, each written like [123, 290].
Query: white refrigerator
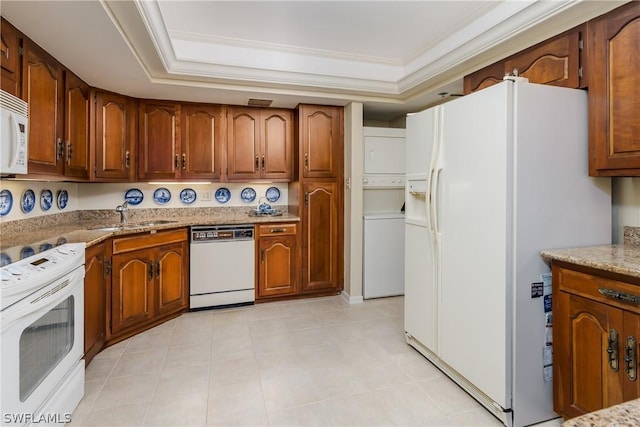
[492, 179]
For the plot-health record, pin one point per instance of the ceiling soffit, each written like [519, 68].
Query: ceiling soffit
[233, 61]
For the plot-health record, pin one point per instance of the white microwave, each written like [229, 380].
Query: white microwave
[14, 122]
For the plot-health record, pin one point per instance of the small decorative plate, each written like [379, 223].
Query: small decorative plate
[248, 194]
[28, 201]
[4, 259]
[272, 194]
[188, 196]
[62, 199]
[161, 195]
[46, 199]
[223, 195]
[6, 202]
[133, 196]
[26, 252]
[45, 247]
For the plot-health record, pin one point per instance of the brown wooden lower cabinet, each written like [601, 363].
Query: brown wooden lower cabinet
[596, 336]
[149, 280]
[96, 277]
[277, 260]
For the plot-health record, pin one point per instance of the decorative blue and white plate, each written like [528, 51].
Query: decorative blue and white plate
[46, 199]
[223, 195]
[4, 259]
[6, 202]
[248, 194]
[45, 247]
[133, 196]
[62, 198]
[26, 252]
[28, 201]
[188, 196]
[161, 195]
[272, 194]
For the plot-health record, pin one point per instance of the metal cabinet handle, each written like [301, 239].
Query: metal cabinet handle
[612, 350]
[184, 161]
[620, 296]
[150, 270]
[277, 230]
[127, 159]
[59, 149]
[158, 268]
[306, 160]
[306, 198]
[69, 151]
[631, 358]
[257, 163]
[176, 162]
[106, 268]
[263, 163]
[262, 256]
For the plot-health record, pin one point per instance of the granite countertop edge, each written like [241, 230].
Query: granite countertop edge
[623, 414]
[84, 231]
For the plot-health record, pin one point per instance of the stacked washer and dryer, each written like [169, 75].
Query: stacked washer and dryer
[383, 213]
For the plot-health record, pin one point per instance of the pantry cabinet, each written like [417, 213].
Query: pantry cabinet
[97, 274]
[596, 336]
[259, 144]
[149, 280]
[43, 88]
[558, 61]
[114, 135]
[321, 141]
[9, 58]
[321, 236]
[614, 100]
[203, 134]
[77, 147]
[277, 259]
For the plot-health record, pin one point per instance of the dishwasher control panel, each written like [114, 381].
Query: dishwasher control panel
[221, 233]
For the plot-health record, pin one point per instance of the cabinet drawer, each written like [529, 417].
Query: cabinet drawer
[276, 229]
[142, 241]
[608, 291]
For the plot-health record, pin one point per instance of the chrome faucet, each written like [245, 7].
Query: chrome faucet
[123, 209]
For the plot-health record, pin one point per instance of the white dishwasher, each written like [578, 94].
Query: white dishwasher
[222, 266]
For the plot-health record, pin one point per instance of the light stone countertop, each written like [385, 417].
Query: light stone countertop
[622, 259]
[623, 415]
[80, 227]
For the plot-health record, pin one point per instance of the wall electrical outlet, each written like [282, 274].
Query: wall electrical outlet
[205, 196]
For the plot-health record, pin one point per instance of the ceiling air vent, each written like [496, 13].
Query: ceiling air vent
[259, 102]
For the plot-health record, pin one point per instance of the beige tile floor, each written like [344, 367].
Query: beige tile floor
[315, 362]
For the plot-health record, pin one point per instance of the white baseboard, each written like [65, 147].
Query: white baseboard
[352, 300]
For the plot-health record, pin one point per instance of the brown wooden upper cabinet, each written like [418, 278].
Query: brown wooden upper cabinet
[159, 140]
[320, 141]
[115, 136]
[614, 93]
[202, 140]
[259, 144]
[558, 61]
[43, 88]
[9, 59]
[77, 153]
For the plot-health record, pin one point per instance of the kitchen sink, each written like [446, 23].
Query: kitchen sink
[132, 225]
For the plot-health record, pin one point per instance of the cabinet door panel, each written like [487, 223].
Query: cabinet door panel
[277, 144]
[132, 296]
[158, 141]
[42, 89]
[614, 104]
[202, 141]
[95, 300]
[243, 143]
[277, 272]
[115, 117]
[171, 278]
[77, 154]
[9, 78]
[320, 236]
[320, 141]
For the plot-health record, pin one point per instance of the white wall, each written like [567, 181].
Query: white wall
[625, 206]
[353, 164]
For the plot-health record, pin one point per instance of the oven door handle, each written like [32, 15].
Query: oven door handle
[44, 299]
